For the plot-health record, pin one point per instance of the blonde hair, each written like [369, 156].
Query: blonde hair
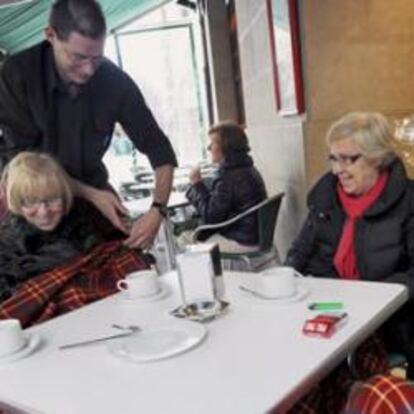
[371, 132]
[30, 174]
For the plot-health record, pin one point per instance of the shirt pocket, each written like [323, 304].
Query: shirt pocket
[101, 137]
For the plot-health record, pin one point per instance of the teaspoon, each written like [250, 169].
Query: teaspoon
[257, 294]
[132, 328]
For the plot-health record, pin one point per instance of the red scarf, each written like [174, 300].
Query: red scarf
[345, 259]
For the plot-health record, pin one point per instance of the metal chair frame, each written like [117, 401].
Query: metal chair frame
[267, 211]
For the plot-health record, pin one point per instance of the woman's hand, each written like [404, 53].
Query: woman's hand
[195, 175]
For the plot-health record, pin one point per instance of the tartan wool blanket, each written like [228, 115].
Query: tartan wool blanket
[83, 280]
[331, 394]
[382, 394]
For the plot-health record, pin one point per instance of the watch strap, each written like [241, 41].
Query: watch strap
[162, 208]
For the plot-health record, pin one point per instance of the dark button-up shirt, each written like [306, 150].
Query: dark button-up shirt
[37, 112]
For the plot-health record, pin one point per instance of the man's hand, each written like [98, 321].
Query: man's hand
[104, 200]
[110, 206]
[195, 175]
[144, 230]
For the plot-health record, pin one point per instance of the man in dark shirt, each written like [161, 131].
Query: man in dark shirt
[63, 97]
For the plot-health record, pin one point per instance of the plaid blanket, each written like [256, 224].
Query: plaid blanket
[382, 395]
[330, 395]
[85, 279]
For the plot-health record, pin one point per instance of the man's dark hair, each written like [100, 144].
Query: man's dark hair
[82, 16]
[232, 137]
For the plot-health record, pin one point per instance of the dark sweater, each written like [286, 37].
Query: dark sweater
[38, 113]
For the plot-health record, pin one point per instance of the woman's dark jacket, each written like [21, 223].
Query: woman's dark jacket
[384, 235]
[237, 187]
[26, 251]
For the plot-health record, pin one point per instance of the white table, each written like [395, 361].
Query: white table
[253, 358]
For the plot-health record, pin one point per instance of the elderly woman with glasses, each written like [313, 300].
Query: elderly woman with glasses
[361, 214]
[360, 224]
[44, 227]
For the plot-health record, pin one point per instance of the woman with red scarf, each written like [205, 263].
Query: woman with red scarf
[360, 224]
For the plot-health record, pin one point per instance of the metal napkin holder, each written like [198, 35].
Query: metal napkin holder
[201, 283]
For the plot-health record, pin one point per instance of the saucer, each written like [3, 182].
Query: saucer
[23, 345]
[32, 343]
[301, 292]
[162, 293]
[202, 311]
[159, 342]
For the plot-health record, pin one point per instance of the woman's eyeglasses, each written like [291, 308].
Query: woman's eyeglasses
[35, 203]
[344, 160]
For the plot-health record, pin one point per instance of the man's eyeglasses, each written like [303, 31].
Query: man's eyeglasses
[79, 59]
[35, 203]
[344, 160]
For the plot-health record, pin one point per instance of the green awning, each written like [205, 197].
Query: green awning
[22, 25]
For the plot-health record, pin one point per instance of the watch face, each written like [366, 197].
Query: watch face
[161, 208]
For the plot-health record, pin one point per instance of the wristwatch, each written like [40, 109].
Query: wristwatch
[162, 208]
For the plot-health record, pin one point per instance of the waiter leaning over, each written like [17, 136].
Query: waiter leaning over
[63, 97]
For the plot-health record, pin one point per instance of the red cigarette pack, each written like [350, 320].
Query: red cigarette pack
[324, 325]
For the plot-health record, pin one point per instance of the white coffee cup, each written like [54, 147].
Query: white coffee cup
[140, 284]
[277, 282]
[11, 336]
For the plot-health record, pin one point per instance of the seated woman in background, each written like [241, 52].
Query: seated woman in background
[237, 187]
[360, 224]
[45, 227]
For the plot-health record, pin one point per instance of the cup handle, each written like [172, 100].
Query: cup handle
[122, 285]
